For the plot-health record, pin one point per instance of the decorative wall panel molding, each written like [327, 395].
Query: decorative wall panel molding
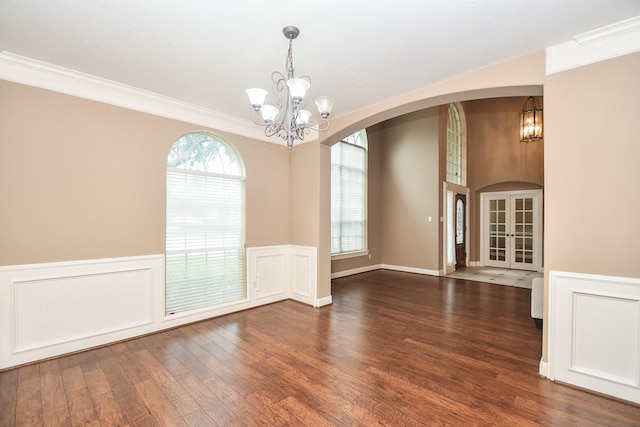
[304, 274]
[56, 308]
[594, 339]
[47, 310]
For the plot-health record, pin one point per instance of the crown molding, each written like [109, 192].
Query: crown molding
[604, 43]
[31, 72]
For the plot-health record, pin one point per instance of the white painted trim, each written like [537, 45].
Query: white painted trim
[594, 333]
[345, 273]
[604, 43]
[321, 302]
[413, 270]
[539, 200]
[38, 314]
[303, 274]
[293, 274]
[27, 71]
[346, 255]
[456, 189]
[51, 309]
[543, 370]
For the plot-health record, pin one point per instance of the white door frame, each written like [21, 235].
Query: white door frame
[456, 189]
[537, 265]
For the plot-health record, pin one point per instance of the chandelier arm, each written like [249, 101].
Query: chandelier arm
[279, 81]
[256, 118]
[320, 127]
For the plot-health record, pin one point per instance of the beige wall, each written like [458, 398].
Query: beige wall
[409, 176]
[84, 180]
[496, 159]
[592, 169]
[311, 205]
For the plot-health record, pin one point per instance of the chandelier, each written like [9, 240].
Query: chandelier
[288, 118]
[531, 121]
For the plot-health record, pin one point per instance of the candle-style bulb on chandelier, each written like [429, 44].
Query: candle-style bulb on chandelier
[288, 118]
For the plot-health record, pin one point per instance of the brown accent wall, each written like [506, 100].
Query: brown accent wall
[496, 159]
[85, 180]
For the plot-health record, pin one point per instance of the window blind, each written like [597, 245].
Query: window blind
[205, 240]
[348, 198]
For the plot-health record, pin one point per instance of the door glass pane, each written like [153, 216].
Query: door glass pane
[528, 203]
[459, 222]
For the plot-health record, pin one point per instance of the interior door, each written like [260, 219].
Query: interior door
[460, 230]
[512, 234]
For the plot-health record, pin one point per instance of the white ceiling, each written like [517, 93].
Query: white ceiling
[361, 52]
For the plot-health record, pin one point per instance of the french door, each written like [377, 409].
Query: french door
[511, 229]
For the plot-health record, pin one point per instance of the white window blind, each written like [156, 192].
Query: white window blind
[205, 225]
[348, 195]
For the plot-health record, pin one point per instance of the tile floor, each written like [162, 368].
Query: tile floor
[500, 276]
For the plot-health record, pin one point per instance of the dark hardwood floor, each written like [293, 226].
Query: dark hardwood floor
[394, 349]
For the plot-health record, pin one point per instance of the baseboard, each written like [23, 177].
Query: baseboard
[321, 302]
[543, 370]
[353, 271]
[412, 270]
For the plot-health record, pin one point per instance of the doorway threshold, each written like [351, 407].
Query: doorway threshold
[498, 276]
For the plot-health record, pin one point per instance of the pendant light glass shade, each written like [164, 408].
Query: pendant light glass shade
[325, 105]
[256, 97]
[269, 113]
[298, 88]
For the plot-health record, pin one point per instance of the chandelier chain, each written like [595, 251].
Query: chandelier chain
[288, 66]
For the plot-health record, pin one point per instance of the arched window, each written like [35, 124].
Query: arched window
[349, 194]
[205, 224]
[456, 149]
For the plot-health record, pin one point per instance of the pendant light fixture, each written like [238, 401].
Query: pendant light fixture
[288, 118]
[531, 121]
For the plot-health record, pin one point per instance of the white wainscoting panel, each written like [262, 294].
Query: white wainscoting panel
[47, 310]
[304, 274]
[594, 338]
[275, 273]
[52, 309]
[267, 272]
